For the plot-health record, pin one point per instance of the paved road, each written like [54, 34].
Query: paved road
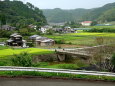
[11, 68]
[49, 82]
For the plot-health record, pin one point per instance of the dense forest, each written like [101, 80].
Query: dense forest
[101, 14]
[58, 15]
[18, 14]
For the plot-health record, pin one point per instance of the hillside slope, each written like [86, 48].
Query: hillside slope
[17, 13]
[95, 14]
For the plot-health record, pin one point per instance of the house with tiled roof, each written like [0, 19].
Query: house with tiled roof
[16, 40]
[42, 41]
[86, 23]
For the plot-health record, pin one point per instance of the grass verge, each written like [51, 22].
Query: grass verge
[56, 75]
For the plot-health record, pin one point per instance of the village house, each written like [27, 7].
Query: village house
[42, 41]
[68, 29]
[65, 30]
[16, 40]
[7, 27]
[45, 28]
[58, 30]
[86, 23]
[2, 43]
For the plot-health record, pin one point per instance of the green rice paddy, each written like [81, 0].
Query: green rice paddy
[84, 38]
[9, 51]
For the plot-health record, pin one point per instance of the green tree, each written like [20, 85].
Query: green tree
[113, 61]
[19, 14]
[3, 19]
[50, 32]
[24, 32]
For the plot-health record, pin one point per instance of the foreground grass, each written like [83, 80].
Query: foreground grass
[9, 52]
[57, 75]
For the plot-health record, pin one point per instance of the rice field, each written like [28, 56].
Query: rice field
[84, 38]
[9, 51]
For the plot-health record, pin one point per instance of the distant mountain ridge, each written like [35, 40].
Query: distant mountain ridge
[58, 15]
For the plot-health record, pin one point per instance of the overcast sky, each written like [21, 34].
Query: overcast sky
[68, 4]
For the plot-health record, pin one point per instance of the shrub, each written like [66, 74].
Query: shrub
[113, 61]
[23, 59]
[31, 44]
[60, 41]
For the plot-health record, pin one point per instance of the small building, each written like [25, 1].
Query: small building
[86, 23]
[7, 27]
[45, 28]
[42, 41]
[58, 30]
[2, 43]
[34, 37]
[16, 40]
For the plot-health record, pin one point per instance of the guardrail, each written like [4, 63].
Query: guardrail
[12, 68]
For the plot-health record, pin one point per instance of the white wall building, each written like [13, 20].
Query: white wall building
[86, 23]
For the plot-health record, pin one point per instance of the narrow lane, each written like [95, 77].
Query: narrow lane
[49, 82]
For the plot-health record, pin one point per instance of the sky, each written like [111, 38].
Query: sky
[68, 4]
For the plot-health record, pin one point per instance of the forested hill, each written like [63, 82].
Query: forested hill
[102, 14]
[16, 13]
[58, 15]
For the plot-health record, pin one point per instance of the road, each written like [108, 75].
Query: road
[11, 68]
[49, 82]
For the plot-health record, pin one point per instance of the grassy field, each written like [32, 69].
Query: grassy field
[84, 38]
[9, 51]
[112, 27]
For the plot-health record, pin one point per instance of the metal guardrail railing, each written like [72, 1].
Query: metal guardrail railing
[12, 68]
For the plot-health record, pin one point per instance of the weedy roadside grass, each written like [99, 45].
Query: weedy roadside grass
[57, 66]
[55, 75]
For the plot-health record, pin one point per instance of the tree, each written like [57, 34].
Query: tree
[18, 14]
[93, 23]
[50, 32]
[4, 33]
[24, 32]
[113, 61]
[3, 19]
